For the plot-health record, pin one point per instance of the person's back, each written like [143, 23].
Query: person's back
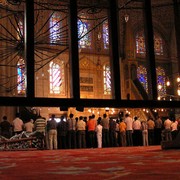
[91, 124]
[81, 125]
[99, 129]
[137, 135]
[71, 123]
[62, 127]
[40, 124]
[105, 122]
[144, 126]
[71, 131]
[129, 123]
[99, 133]
[112, 125]
[167, 130]
[151, 124]
[167, 124]
[5, 127]
[136, 124]
[122, 126]
[17, 124]
[158, 123]
[81, 133]
[52, 124]
[29, 126]
[112, 132]
[105, 130]
[52, 133]
[158, 129]
[145, 133]
[122, 130]
[174, 129]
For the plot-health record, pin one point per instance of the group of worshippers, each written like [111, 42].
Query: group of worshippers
[82, 132]
[150, 131]
[17, 126]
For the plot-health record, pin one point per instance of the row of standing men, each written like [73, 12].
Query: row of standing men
[104, 132]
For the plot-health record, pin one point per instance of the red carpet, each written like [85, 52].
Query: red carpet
[107, 164]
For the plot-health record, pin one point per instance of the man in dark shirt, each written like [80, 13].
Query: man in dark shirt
[52, 126]
[71, 131]
[5, 127]
[112, 132]
[62, 130]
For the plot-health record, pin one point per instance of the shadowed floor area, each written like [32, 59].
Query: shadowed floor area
[107, 163]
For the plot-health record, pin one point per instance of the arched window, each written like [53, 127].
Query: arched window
[161, 81]
[106, 35]
[140, 43]
[56, 76]
[83, 35]
[107, 79]
[21, 77]
[55, 28]
[158, 44]
[142, 76]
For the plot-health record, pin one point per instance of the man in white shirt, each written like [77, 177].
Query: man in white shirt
[137, 134]
[17, 124]
[129, 123]
[174, 129]
[81, 133]
[29, 126]
[99, 133]
[167, 129]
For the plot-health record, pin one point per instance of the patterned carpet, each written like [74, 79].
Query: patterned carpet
[89, 164]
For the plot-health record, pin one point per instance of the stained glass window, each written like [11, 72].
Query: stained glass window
[140, 44]
[83, 35]
[106, 35]
[142, 76]
[56, 75]
[161, 81]
[55, 28]
[21, 77]
[107, 79]
[158, 45]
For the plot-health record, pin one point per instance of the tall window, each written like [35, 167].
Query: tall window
[55, 28]
[142, 76]
[106, 35]
[140, 44]
[161, 81]
[21, 77]
[107, 79]
[83, 35]
[56, 73]
[158, 45]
